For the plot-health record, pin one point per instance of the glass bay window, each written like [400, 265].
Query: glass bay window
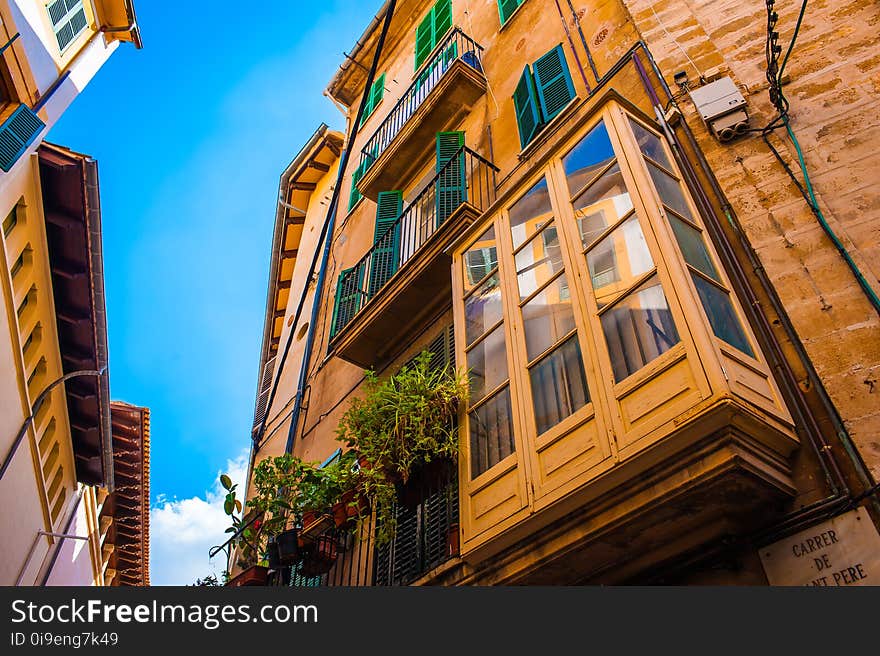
[600, 319]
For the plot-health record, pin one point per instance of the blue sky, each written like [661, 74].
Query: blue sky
[191, 135]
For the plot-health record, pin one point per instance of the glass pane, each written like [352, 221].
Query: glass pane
[548, 317]
[639, 329]
[602, 205]
[616, 261]
[530, 212]
[719, 308]
[487, 364]
[480, 258]
[538, 262]
[591, 155]
[491, 429]
[650, 144]
[670, 191]
[693, 247]
[559, 386]
[482, 309]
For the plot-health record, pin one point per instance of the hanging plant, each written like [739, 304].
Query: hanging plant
[400, 424]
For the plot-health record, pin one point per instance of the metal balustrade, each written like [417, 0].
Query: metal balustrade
[467, 178]
[457, 46]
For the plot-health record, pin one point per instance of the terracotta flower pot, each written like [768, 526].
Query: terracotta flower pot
[254, 575]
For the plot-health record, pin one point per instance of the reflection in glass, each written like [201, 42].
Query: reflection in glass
[602, 205]
[491, 433]
[639, 329]
[617, 260]
[719, 308]
[480, 258]
[650, 144]
[487, 364]
[547, 318]
[693, 247]
[559, 386]
[482, 309]
[670, 191]
[591, 155]
[538, 261]
[529, 213]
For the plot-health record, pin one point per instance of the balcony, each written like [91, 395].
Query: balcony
[405, 277]
[444, 91]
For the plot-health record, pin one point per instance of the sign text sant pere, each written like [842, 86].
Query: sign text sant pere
[842, 551]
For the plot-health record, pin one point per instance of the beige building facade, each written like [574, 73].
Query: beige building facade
[55, 428]
[657, 260]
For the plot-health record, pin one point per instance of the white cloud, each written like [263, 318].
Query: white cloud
[182, 531]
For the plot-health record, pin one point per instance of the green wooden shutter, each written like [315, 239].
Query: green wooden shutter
[424, 39]
[442, 20]
[17, 133]
[553, 83]
[432, 29]
[386, 240]
[451, 183]
[354, 195]
[525, 101]
[506, 8]
[377, 91]
[348, 296]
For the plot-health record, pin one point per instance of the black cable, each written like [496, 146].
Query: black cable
[326, 224]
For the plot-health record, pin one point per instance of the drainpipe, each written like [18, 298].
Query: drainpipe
[782, 365]
[329, 224]
[577, 22]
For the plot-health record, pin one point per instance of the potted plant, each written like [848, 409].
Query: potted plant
[249, 539]
[402, 423]
[319, 556]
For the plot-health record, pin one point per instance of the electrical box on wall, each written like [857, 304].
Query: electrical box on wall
[722, 107]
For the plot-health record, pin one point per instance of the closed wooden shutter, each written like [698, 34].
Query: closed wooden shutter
[424, 39]
[451, 183]
[553, 83]
[432, 29]
[348, 296]
[17, 133]
[377, 91]
[263, 393]
[506, 8]
[525, 102]
[386, 239]
[68, 20]
[354, 195]
[442, 19]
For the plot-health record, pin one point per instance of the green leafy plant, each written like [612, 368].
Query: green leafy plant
[401, 423]
[249, 537]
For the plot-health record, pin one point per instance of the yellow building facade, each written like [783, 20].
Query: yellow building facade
[599, 210]
[55, 435]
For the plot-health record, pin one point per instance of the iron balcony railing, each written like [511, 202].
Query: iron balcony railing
[457, 46]
[426, 535]
[466, 178]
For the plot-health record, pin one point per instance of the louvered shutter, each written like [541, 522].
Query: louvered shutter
[68, 20]
[525, 101]
[17, 133]
[386, 239]
[451, 182]
[354, 195]
[506, 8]
[553, 83]
[424, 39]
[263, 393]
[442, 20]
[348, 295]
[377, 91]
